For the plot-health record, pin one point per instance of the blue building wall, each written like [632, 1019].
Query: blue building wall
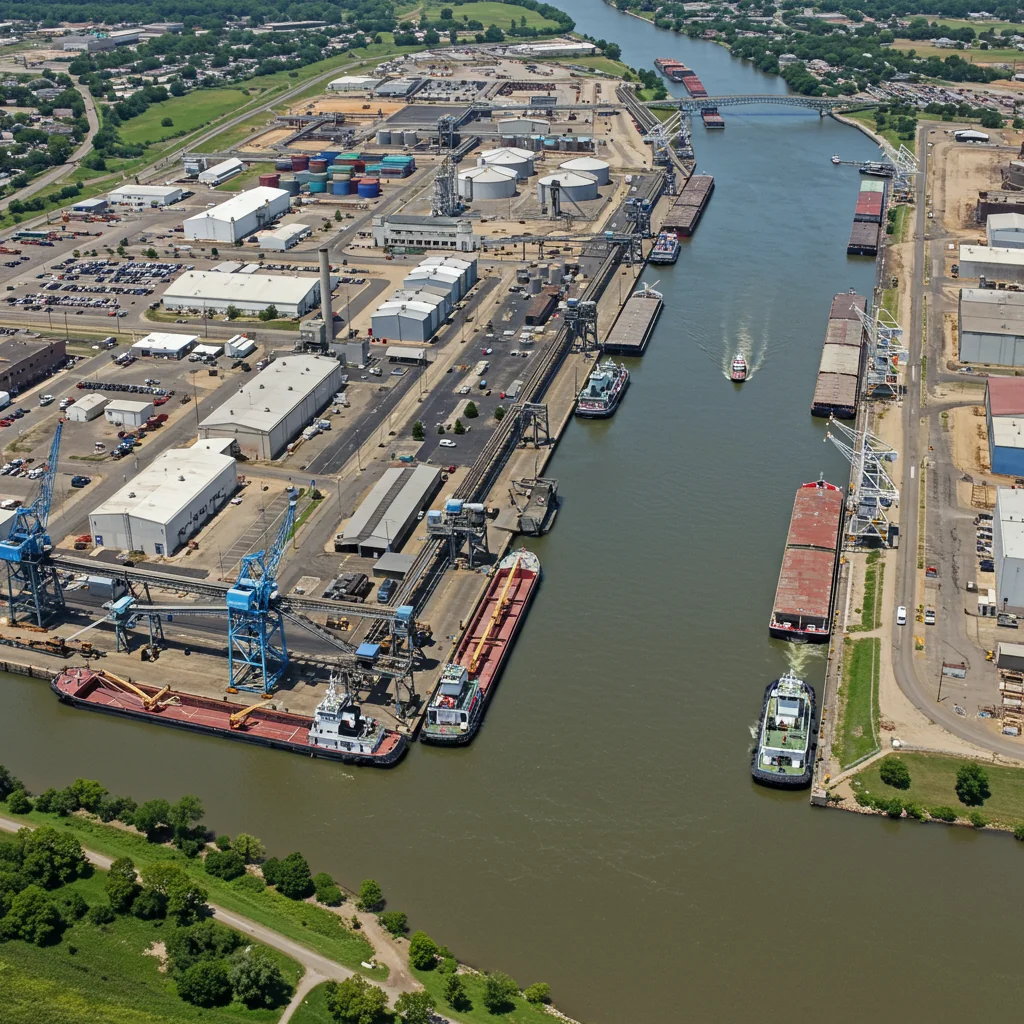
[1007, 461]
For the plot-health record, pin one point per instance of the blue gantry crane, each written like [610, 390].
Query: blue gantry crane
[257, 651]
[33, 588]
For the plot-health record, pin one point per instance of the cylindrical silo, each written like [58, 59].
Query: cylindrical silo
[300, 163]
[383, 136]
[518, 160]
[575, 186]
[318, 176]
[341, 187]
[302, 177]
[368, 188]
[588, 165]
[410, 138]
[318, 166]
[536, 284]
[555, 273]
[270, 180]
[290, 185]
[317, 186]
[485, 182]
[283, 165]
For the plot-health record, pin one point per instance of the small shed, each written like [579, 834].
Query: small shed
[123, 413]
[87, 408]
[392, 566]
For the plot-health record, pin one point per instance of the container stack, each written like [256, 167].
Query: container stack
[397, 166]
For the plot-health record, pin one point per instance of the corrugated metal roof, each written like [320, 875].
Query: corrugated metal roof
[420, 482]
[816, 513]
[992, 311]
[1006, 396]
[844, 359]
[990, 254]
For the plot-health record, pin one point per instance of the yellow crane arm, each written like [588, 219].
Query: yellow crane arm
[495, 616]
[239, 717]
[148, 702]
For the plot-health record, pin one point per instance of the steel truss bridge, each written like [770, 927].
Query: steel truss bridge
[822, 104]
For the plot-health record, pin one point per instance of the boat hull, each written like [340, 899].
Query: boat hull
[776, 779]
[608, 411]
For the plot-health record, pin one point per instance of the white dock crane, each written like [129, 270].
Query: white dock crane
[886, 352]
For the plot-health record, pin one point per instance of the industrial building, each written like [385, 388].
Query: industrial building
[970, 135]
[283, 237]
[406, 354]
[249, 293]
[991, 326]
[398, 88]
[90, 206]
[120, 412]
[1005, 230]
[273, 408]
[1004, 417]
[571, 185]
[518, 160]
[575, 48]
[221, 172]
[88, 407]
[239, 217]
[484, 182]
[24, 363]
[165, 504]
[353, 83]
[165, 346]
[404, 321]
[1003, 265]
[598, 169]
[1008, 548]
[440, 280]
[467, 268]
[86, 44]
[140, 196]
[387, 515]
[424, 232]
[508, 126]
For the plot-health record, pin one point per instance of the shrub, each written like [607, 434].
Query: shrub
[943, 813]
[223, 842]
[539, 992]
[248, 846]
[271, 869]
[150, 904]
[33, 916]
[448, 965]
[893, 772]
[166, 122]
[915, 811]
[1018, 833]
[326, 891]
[9, 783]
[415, 1007]
[121, 887]
[205, 984]
[972, 784]
[418, 432]
[977, 819]
[19, 803]
[44, 802]
[225, 864]
[256, 980]
[102, 913]
[250, 883]
[371, 896]
[455, 992]
[356, 1001]
[394, 921]
[293, 877]
[73, 906]
[499, 413]
[471, 411]
[422, 952]
[459, 427]
[500, 992]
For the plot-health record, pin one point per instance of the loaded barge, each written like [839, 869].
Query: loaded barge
[802, 612]
[867, 219]
[337, 731]
[688, 207]
[671, 68]
[633, 326]
[468, 680]
[838, 385]
[712, 118]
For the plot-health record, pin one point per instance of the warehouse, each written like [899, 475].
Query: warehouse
[403, 321]
[991, 326]
[467, 268]
[576, 48]
[221, 172]
[353, 83]
[1004, 417]
[1005, 230]
[89, 407]
[240, 216]
[486, 182]
[523, 126]
[425, 232]
[387, 515]
[1003, 265]
[406, 355]
[1008, 548]
[441, 304]
[165, 346]
[165, 504]
[248, 293]
[970, 135]
[93, 206]
[140, 196]
[273, 408]
[120, 412]
[399, 88]
[24, 363]
[283, 237]
[441, 280]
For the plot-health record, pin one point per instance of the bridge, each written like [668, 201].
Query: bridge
[822, 104]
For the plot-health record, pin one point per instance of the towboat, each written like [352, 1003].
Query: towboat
[739, 369]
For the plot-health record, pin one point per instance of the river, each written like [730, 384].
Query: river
[603, 833]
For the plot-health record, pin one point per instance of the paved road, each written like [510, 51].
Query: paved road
[61, 170]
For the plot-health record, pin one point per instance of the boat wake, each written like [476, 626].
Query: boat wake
[741, 342]
[800, 655]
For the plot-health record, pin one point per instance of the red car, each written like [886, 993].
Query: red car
[161, 400]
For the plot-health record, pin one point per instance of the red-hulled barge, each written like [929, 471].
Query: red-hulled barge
[337, 730]
[802, 612]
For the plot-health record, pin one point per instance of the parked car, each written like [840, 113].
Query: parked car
[47, 400]
[386, 591]
[929, 617]
[901, 615]
[81, 481]
[446, 443]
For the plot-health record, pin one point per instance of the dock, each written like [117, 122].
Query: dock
[633, 326]
[685, 213]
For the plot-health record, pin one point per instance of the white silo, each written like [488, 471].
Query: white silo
[486, 182]
[519, 160]
[588, 165]
[575, 186]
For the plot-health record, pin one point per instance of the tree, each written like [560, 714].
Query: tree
[102, 913]
[64, 802]
[471, 411]
[440, 428]
[19, 803]
[185, 899]
[972, 784]
[500, 992]
[371, 896]
[88, 793]
[422, 951]
[214, 251]
[499, 413]
[270, 313]
[415, 1007]
[356, 1001]
[184, 816]
[394, 921]
[326, 891]
[222, 842]
[151, 817]
[33, 917]
[205, 984]
[455, 992]
[121, 887]
[256, 980]
[459, 428]
[225, 864]
[150, 904]
[447, 14]
[51, 858]
[73, 906]
[612, 51]
[991, 119]
[177, 89]
[418, 432]
[293, 877]
[233, 312]
[151, 253]
[894, 772]
[271, 870]
[251, 849]
[166, 123]
[539, 992]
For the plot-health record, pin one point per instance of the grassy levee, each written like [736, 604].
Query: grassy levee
[857, 735]
[933, 781]
[313, 1009]
[189, 112]
[103, 975]
[522, 1012]
[871, 603]
[312, 925]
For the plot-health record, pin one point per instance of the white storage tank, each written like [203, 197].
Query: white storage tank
[485, 182]
[575, 186]
[588, 165]
[518, 160]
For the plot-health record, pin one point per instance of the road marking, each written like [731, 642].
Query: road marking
[912, 468]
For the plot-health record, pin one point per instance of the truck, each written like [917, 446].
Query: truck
[481, 368]
[512, 391]
[5, 399]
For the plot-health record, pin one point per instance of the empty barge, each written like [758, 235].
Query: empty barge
[688, 207]
[802, 611]
[837, 388]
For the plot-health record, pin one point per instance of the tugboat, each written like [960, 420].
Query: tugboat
[603, 391]
[836, 160]
[784, 756]
[666, 248]
[739, 369]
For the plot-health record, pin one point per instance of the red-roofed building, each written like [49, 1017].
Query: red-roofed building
[1004, 416]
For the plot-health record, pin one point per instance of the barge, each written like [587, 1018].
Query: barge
[338, 730]
[837, 387]
[688, 207]
[671, 68]
[802, 610]
[635, 324]
[783, 755]
[867, 219]
[712, 118]
[457, 709]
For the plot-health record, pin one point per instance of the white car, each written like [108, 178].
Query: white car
[236, 501]
[47, 400]
[446, 443]
[465, 389]
[901, 615]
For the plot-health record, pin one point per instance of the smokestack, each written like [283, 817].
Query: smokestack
[325, 295]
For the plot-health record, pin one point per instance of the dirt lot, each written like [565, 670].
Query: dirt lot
[259, 143]
[330, 104]
[954, 195]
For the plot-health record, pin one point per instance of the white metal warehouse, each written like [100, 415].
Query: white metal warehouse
[1008, 548]
[466, 267]
[88, 407]
[448, 279]
[353, 83]
[283, 237]
[991, 326]
[165, 504]
[273, 408]
[1005, 230]
[994, 264]
[248, 293]
[403, 321]
[222, 172]
[164, 345]
[387, 514]
[144, 195]
[239, 217]
[124, 413]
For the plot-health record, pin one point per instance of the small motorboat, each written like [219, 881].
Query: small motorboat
[739, 369]
[835, 159]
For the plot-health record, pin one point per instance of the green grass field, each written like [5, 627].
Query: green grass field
[522, 1013]
[311, 925]
[867, 118]
[491, 13]
[187, 112]
[857, 734]
[978, 26]
[609, 67]
[923, 48]
[247, 179]
[109, 978]
[313, 1009]
[871, 604]
[932, 781]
